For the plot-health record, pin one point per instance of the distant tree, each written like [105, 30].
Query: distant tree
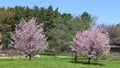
[104, 28]
[91, 43]
[118, 33]
[5, 15]
[87, 20]
[60, 33]
[28, 12]
[29, 38]
[113, 34]
[60, 36]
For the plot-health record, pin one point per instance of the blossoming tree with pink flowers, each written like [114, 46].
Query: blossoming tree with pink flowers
[91, 43]
[29, 38]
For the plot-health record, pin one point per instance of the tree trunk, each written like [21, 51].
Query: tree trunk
[89, 57]
[75, 58]
[50, 48]
[89, 60]
[30, 57]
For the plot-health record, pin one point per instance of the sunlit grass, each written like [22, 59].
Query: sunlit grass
[55, 62]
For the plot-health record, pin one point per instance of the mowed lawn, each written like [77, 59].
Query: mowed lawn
[55, 62]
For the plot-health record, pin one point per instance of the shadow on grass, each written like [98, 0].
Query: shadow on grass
[83, 62]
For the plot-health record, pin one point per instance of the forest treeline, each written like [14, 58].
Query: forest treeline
[60, 28]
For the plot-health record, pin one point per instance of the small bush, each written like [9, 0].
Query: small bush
[50, 53]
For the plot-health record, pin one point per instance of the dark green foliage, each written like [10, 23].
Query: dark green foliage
[50, 53]
[59, 28]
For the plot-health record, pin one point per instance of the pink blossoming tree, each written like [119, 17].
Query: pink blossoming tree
[29, 38]
[91, 43]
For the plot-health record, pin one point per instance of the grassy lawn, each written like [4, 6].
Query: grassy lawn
[55, 62]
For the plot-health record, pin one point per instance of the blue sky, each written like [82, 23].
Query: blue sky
[107, 11]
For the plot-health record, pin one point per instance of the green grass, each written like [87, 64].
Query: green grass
[55, 62]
